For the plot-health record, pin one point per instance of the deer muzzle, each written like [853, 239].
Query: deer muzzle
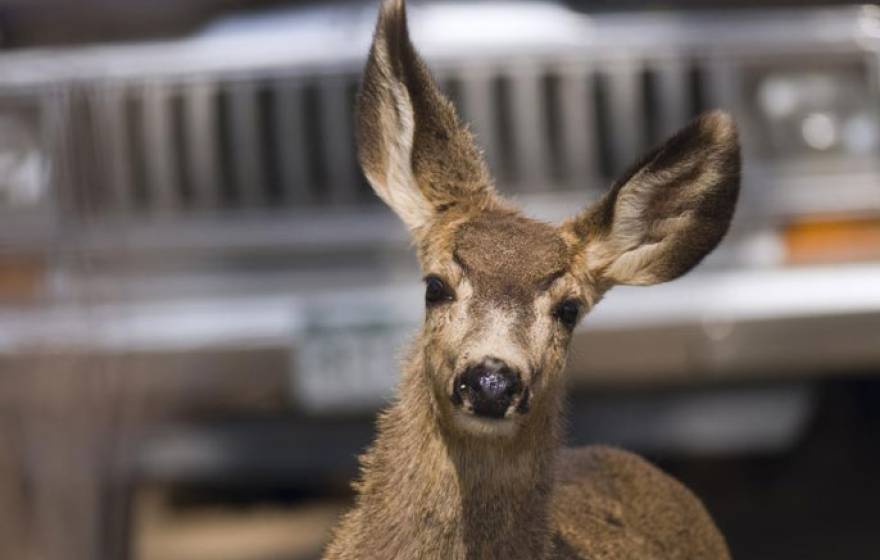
[490, 389]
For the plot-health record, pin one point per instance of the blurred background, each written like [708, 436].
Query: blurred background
[201, 301]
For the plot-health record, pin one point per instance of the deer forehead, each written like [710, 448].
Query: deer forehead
[508, 256]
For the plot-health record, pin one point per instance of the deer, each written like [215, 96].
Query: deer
[468, 461]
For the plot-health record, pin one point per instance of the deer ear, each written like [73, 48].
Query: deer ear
[668, 212]
[414, 151]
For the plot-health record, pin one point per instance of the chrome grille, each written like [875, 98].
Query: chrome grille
[566, 125]
[260, 142]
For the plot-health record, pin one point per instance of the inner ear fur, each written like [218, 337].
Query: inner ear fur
[414, 151]
[668, 211]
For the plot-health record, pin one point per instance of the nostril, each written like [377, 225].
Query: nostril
[494, 385]
[513, 388]
[523, 406]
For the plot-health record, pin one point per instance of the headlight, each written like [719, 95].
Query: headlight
[22, 160]
[808, 111]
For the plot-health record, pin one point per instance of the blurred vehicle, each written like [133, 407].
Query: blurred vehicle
[193, 209]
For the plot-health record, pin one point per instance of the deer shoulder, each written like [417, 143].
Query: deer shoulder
[612, 504]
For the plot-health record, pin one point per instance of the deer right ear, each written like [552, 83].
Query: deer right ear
[414, 151]
[668, 212]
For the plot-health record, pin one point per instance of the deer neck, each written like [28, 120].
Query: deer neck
[427, 488]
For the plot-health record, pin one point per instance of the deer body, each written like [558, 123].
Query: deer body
[467, 462]
[426, 494]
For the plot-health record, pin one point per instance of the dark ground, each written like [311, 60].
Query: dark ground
[818, 501]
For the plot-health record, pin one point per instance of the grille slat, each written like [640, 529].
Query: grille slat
[160, 168]
[180, 148]
[673, 97]
[624, 105]
[338, 138]
[134, 129]
[200, 135]
[267, 127]
[529, 158]
[112, 141]
[477, 109]
[577, 123]
[291, 143]
[246, 145]
[713, 84]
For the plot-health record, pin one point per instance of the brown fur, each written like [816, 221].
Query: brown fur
[614, 505]
[508, 255]
[441, 483]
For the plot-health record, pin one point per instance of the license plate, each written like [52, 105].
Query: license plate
[347, 357]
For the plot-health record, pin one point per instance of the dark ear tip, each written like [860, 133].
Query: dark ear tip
[393, 6]
[717, 119]
[719, 127]
[392, 16]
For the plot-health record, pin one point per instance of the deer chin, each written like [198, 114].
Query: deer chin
[477, 426]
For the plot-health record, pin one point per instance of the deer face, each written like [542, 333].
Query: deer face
[501, 303]
[504, 292]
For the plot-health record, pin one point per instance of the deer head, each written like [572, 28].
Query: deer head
[504, 292]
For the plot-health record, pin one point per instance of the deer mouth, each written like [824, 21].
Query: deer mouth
[479, 426]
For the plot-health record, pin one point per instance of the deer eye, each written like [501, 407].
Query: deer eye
[567, 312]
[436, 291]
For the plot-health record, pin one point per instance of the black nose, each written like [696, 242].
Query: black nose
[489, 386]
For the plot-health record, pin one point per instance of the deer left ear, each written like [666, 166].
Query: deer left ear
[417, 155]
[668, 212]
